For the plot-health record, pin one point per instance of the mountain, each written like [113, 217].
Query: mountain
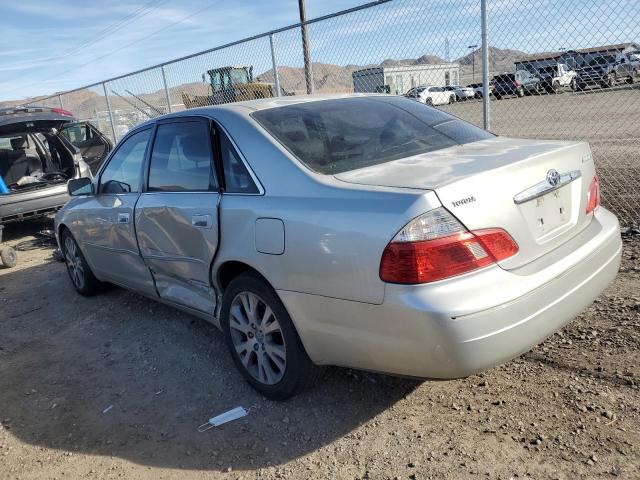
[328, 78]
[500, 60]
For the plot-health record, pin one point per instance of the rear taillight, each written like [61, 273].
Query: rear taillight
[62, 111]
[435, 246]
[517, 83]
[593, 195]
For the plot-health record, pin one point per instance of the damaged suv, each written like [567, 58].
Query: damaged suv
[38, 154]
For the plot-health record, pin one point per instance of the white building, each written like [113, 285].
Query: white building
[399, 79]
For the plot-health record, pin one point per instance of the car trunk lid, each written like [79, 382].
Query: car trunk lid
[33, 119]
[501, 182]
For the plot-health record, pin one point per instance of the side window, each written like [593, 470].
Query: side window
[124, 170]
[237, 178]
[181, 158]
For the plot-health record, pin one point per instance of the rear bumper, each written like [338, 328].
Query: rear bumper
[20, 206]
[463, 325]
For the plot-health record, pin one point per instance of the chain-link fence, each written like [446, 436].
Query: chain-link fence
[565, 69]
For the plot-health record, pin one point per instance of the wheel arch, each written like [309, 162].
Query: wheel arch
[230, 269]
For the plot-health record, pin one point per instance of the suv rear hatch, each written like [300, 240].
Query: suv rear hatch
[493, 183]
[33, 119]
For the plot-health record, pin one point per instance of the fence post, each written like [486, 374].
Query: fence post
[166, 90]
[275, 65]
[485, 68]
[60, 101]
[113, 127]
[308, 66]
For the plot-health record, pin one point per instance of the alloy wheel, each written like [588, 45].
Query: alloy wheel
[74, 262]
[257, 338]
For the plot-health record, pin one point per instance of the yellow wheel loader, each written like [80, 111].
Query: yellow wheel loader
[229, 84]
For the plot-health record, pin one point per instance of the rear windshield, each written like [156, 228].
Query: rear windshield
[335, 136]
[505, 78]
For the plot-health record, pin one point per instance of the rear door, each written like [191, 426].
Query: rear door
[93, 145]
[177, 215]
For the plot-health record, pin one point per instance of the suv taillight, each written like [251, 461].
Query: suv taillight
[517, 83]
[62, 111]
[593, 195]
[435, 246]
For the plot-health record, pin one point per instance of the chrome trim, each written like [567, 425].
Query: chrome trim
[544, 187]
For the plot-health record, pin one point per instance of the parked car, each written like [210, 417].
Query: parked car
[553, 78]
[37, 158]
[606, 71]
[519, 84]
[430, 95]
[478, 89]
[461, 93]
[369, 231]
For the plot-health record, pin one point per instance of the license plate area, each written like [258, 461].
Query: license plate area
[548, 213]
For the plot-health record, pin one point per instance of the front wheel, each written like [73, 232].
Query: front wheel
[80, 274]
[262, 339]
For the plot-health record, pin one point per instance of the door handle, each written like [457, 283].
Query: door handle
[123, 217]
[201, 221]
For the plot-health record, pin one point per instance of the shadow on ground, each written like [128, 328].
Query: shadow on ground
[121, 375]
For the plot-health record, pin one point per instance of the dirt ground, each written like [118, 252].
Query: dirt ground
[115, 386]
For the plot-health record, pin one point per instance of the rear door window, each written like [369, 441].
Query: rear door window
[181, 160]
[236, 176]
[334, 136]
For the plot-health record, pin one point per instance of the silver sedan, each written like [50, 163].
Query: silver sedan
[371, 232]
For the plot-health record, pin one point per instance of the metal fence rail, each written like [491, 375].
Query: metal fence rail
[395, 45]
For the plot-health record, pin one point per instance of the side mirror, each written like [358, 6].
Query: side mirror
[80, 186]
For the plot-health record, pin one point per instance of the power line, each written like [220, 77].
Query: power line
[95, 59]
[118, 25]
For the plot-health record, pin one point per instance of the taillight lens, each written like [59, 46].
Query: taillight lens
[517, 83]
[436, 246]
[593, 195]
[62, 111]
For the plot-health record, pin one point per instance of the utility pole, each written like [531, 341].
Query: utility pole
[308, 71]
[473, 60]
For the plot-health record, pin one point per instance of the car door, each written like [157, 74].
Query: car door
[93, 145]
[105, 226]
[177, 214]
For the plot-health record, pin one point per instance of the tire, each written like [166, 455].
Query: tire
[520, 92]
[573, 85]
[555, 87]
[9, 257]
[608, 83]
[276, 363]
[429, 102]
[82, 278]
[632, 78]
[452, 99]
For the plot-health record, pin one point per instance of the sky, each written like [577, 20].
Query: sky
[50, 46]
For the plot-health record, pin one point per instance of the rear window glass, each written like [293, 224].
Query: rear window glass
[335, 136]
[505, 78]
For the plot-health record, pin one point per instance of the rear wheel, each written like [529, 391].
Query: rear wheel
[555, 87]
[262, 339]
[429, 101]
[520, 92]
[79, 272]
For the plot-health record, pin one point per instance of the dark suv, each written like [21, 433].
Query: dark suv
[519, 83]
[606, 71]
[40, 149]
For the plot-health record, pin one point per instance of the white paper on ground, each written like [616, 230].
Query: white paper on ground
[225, 417]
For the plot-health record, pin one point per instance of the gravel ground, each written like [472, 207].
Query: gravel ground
[115, 386]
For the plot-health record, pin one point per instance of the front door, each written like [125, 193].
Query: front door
[109, 239]
[177, 215]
